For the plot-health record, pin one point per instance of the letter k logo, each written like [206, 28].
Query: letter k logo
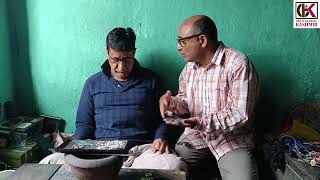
[310, 10]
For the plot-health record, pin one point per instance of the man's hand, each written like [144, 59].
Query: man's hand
[164, 102]
[190, 122]
[160, 145]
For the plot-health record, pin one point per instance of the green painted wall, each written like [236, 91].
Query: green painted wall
[61, 43]
[6, 90]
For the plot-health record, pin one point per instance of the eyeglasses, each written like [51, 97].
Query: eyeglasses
[183, 41]
[124, 60]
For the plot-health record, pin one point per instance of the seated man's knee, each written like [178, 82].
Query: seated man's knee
[238, 163]
[201, 163]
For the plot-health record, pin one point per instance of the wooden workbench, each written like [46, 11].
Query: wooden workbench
[32, 171]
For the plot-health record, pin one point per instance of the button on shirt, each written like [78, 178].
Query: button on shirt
[221, 97]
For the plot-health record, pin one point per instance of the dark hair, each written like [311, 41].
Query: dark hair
[121, 39]
[205, 25]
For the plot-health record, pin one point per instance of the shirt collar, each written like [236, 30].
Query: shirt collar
[217, 57]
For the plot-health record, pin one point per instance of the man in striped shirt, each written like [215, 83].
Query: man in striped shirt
[218, 88]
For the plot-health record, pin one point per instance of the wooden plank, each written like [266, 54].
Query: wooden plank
[138, 174]
[128, 174]
[63, 173]
[32, 171]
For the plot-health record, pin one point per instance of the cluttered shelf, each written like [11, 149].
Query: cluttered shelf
[26, 139]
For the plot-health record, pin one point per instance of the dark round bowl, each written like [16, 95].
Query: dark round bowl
[94, 169]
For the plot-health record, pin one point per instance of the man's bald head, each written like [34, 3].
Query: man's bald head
[201, 24]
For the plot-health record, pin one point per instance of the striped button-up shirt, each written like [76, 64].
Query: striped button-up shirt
[221, 96]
